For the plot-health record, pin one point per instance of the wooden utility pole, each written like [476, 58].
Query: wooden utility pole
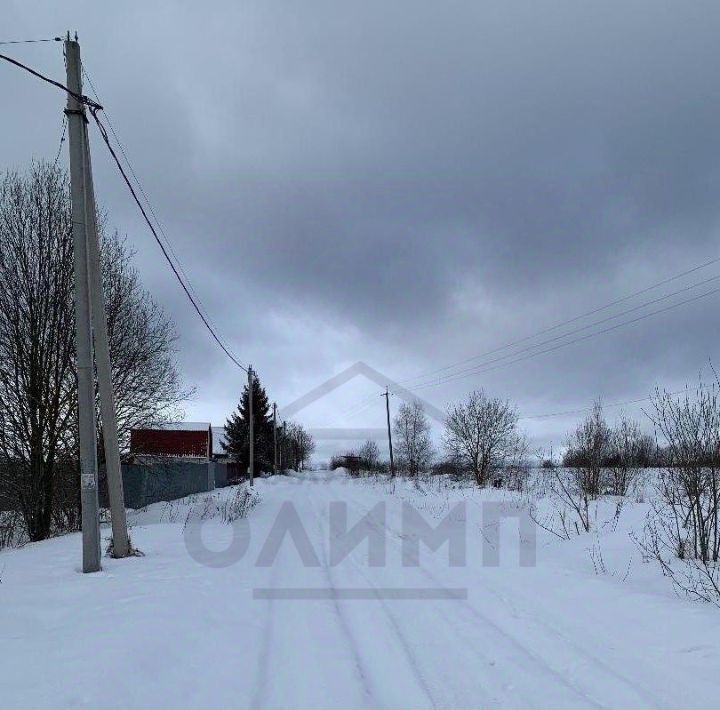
[83, 327]
[386, 394]
[275, 446]
[251, 428]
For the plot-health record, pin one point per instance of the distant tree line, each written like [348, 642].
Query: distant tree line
[482, 439]
[615, 445]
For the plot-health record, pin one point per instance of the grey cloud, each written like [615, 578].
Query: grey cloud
[362, 169]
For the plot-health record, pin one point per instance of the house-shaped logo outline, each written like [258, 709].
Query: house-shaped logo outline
[348, 374]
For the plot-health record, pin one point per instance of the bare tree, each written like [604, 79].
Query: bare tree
[516, 471]
[142, 339]
[574, 486]
[36, 347]
[598, 459]
[684, 532]
[38, 437]
[588, 448]
[571, 501]
[411, 432]
[299, 445]
[369, 454]
[483, 433]
[628, 450]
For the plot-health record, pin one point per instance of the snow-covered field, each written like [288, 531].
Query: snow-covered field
[165, 630]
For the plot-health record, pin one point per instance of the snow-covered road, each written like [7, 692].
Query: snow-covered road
[166, 631]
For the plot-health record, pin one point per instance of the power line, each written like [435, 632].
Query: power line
[554, 339]
[606, 406]
[587, 409]
[139, 185]
[62, 140]
[86, 100]
[478, 369]
[211, 330]
[31, 41]
[94, 107]
[357, 407]
[483, 369]
[361, 405]
[560, 324]
[568, 412]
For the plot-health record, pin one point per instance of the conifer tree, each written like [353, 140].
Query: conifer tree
[236, 430]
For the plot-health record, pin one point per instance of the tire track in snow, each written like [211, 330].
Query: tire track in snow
[361, 671]
[405, 645]
[510, 640]
[300, 626]
[262, 674]
[410, 658]
[595, 663]
[537, 620]
[471, 647]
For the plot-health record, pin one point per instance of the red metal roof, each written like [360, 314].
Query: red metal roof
[174, 441]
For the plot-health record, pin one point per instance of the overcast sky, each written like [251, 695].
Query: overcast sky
[409, 184]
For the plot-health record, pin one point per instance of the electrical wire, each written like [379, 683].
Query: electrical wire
[482, 369]
[94, 107]
[359, 407]
[606, 406]
[560, 324]
[478, 369]
[580, 329]
[211, 330]
[86, 100]
[62, 140]
[149, 205]
[363, 404]
[31, 41]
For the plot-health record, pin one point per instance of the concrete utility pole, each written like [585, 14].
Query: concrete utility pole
[387, 410]
[251, 428]
[120, 540]
[275, 446]
[83, 338]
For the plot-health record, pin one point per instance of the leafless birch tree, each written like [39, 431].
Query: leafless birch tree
[411, 438]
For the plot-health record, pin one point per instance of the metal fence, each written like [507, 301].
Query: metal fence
[164, 480]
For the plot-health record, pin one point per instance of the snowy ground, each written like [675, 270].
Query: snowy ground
[167, 631]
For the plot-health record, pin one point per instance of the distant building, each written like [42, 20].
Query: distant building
[175, 439]
[352, 463]
[218, 439]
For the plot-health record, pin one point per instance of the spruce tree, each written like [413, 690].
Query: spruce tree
[236, 430]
